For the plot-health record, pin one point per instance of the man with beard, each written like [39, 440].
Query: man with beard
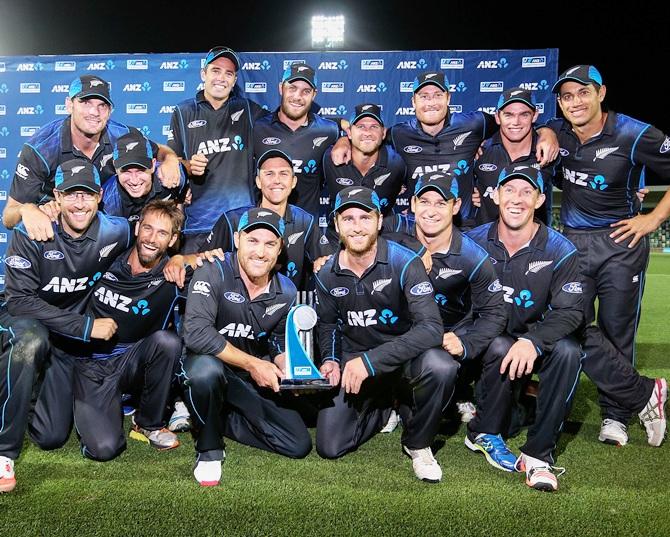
[296, 130]
[87, 133]
[46, 290]
[142, 356]
[379, 328]
[136, 182]
[234, 332]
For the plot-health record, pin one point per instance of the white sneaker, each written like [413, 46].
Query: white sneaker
[539, 473]
[467, 410]
[613, 432]
[180, 421]
[7, 478]
[392, 423]
[207, 473]
[425, 466]
[653, 414]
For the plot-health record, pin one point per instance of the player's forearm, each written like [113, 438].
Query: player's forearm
[165, 153]
[231, 355]
[662, 211]
[12, 213]
[64, 322]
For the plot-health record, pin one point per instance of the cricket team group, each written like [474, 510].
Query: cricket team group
[157, 280]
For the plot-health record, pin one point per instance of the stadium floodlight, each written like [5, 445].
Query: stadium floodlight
[327, 32]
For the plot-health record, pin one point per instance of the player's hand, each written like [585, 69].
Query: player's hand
[37, 223]
[188, 198]
[427, 259]
[51, 209]
[320, 262]
[641, 193]
[169, 171]
[341, 152]
[520, 358]
[480, 150]
[212, 255]
[547, 146]
[476, 197]
[636, 227]
[198, 163]
[331, 370]
[103, 328]
[353, 375]
[175, 271]
[280, 362]
[452, 344]
[265, 374]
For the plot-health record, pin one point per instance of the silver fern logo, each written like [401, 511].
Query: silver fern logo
[445, 273]
[665, 147]
[293, 238]
[604, 152]
[379, 285]
[274, 308]
[458, 141]
[237, 115]
[104, 252]
[318, 141]
[379, 181]
[537, 266]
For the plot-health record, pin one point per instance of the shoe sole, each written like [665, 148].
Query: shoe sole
[135, 435]
[611, 441]
[542, 487]
[208, 483]
[489, 459]
[8, 486]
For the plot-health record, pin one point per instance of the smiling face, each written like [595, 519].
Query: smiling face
[77, 209]
[367, 135]
[358, 229]
[516, 121]
[517, 200]
[431, 105]
[219, 79]
[257, 251]
[136, 181]
[276, 180]
[89, 116]
[296, 99]
[433, 214]
[154, 236]
[580, 104]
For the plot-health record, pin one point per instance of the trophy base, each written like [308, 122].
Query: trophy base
[304, 384]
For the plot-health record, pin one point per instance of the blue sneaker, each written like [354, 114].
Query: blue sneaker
[494, 449]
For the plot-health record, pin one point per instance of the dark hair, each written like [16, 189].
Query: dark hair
[166, 208]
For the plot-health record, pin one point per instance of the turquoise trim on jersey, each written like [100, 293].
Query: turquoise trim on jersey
[365, 355]
[474, 270]
[86, 332]
[563, 259]
[632, 149]
[40, 155]
[316, 277]
[183, 134]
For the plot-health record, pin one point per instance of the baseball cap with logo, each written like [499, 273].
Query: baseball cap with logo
[299, 71]
[367, 110]
[261, 217]
[443, 184]
[516, 95]
[583, 74]
[273, 153]
[132, 149]
[222, 52]
[77, 174]
[90, 86]
[357, 196]
[527, 173]
[431, 77]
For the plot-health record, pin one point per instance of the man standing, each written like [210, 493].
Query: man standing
[379, 327]
[47, 286]
[537, 270]
[604, 155]
[234, 332]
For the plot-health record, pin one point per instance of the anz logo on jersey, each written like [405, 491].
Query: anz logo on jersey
[220, 145]
[59, 284]
[238, 330]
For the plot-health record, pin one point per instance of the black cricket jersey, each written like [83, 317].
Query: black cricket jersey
[140, 304]
[306, 146]
[51, 281]
[301, 241]
[541, 283]
[225, 137]
[487, 170]
[51, 146]
[452, 151]
[388, 315]
[117, 202]
[218, 310]
[386, 177]
[601, 176]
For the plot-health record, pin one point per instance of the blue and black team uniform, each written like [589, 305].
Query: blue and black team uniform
[487, 169]
[47, 287]
[225, 137]
[600, 181]
[222, 399]
[389, 319]
[141, 358]
[51, 146]
[306, 146]
[542, 288]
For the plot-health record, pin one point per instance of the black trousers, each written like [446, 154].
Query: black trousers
[146, 369]
[223, 401]
[425, 386]
[614, 274]
[559, 375]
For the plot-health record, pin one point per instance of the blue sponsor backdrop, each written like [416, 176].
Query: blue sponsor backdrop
[145, 87]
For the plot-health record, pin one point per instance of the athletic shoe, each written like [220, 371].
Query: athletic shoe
[494, 449]
[128, 404]
[613, 432]
[161, 439]
[539, 474]
[180, 421]
[467, 410]
[653, 414]
[392, 423]
[207, 473]
[7, 478]
[425, 466]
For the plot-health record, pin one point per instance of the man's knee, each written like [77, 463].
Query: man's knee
[30, 341]
[439, 364]
[102, 449]
[300, 446]
[48, 440]
[499, 347]
[568, 353]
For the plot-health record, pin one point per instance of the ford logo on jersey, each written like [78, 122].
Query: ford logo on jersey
[495, 287]
[16, 261]
[423, 288]
[197, 123]
[412, 149]
[271, 141]
[339, 291]
[573, 287]
[234, 297]
[53, 255]
[344, 181]
[488, 167]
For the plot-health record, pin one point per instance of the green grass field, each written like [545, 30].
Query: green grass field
[606, 490]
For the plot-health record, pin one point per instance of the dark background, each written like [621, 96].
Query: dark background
[628, 44]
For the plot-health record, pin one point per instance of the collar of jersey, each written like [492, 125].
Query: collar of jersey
[91, 233]
[538, 242]
[382, 256]
[455, 246]
[275, 283]
[68, 147]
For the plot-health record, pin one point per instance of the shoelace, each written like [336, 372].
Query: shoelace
[608, 421]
